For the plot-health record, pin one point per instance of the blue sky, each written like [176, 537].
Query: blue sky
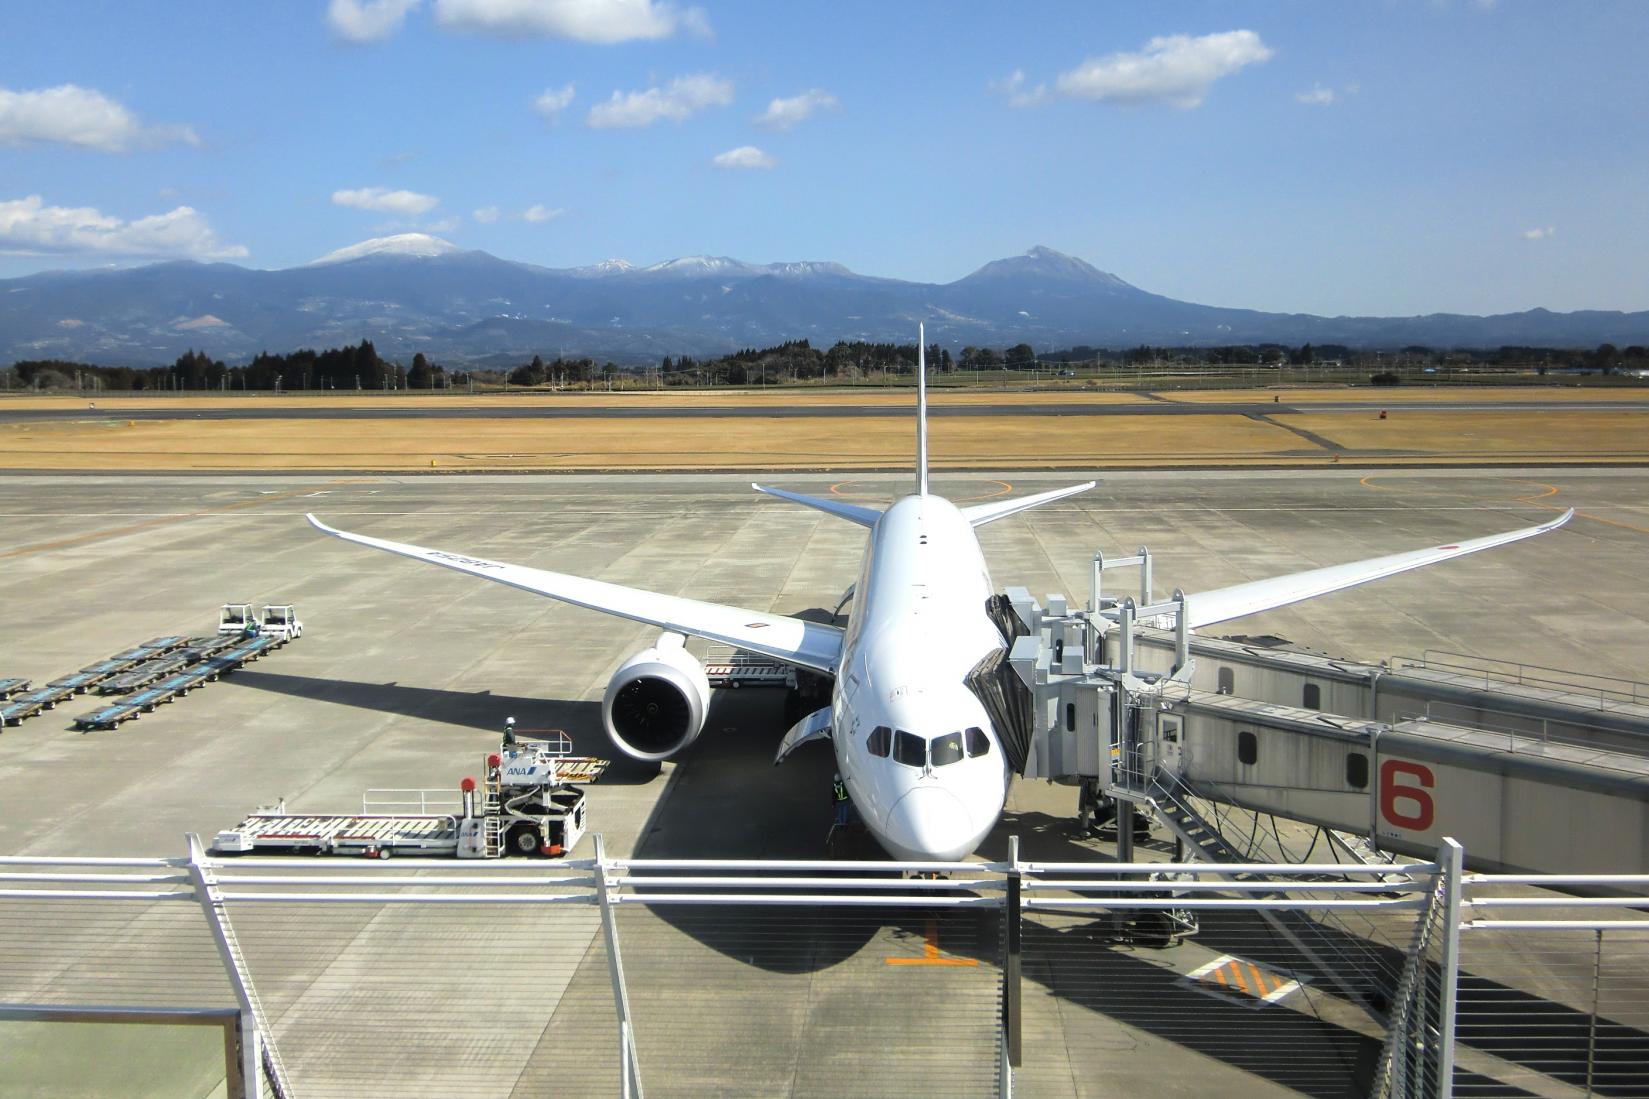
[1391, 157]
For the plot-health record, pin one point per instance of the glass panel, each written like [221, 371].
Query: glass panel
[978, 743]
[946, 749]
[880, 739]
[1357, 771]
[910, 749]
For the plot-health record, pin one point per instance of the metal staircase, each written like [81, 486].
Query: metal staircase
[492, 837]
[1337, 954]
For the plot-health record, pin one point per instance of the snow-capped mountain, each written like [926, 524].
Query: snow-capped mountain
[415, 292]
[420, 245]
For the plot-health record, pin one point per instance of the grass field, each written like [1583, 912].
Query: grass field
[1411, 434]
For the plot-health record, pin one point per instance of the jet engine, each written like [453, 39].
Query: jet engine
[657, 701]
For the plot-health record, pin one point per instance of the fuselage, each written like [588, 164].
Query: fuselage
[914, 745]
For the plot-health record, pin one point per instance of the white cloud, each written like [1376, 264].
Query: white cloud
[1318, 96]
[782, 114]
[536, 213]
[676, 101]
[28, 226]
[382, 199]
[1013, 86]
[1175, 69]
[1539, 233]
[367, 20]
[486, 215]
[553, 102]
[600, 21]
[72, 115]
[745, 156]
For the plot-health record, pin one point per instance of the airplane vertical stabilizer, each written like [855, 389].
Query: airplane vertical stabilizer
[921, 411]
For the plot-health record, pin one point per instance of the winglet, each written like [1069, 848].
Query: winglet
[921, 410]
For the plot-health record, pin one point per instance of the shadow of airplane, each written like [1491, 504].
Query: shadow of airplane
[471, 709]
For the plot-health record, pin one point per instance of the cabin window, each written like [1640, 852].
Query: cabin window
[909, 749]
[1169, 727]
[1357, 771]
[946, 749]
[1070, 717]
[1248, 749]
[978, 743]
[1313, 697]
[879, 741]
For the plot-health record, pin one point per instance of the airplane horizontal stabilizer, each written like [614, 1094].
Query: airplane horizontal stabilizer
[980, 514]
[1207, 608]
[853, 513]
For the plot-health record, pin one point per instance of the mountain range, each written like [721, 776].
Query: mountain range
[415, 292]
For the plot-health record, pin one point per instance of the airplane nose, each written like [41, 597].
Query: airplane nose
[928, 823]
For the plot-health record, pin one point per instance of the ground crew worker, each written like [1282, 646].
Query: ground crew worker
[838, 793]
[250, 628]
[509, 732]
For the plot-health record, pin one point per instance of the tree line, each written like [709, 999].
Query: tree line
[360, 367]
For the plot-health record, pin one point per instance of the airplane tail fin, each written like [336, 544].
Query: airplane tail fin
[921, 410]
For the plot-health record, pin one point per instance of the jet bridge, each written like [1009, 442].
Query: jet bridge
[1119, 697]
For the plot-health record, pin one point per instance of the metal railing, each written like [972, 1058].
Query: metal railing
[1491, 983]
[423, 800]
[1494, 670]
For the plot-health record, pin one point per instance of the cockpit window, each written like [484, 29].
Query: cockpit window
[910, 749]
[946, 749]
[978, 743]
[879, 740]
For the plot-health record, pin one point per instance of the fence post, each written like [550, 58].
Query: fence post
[210, 897]
[1451, 861]
[1011, 1000]
[628, 1067]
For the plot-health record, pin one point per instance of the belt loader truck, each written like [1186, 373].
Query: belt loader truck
[530, 802]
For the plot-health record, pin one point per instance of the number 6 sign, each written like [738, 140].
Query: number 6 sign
[1407, 803]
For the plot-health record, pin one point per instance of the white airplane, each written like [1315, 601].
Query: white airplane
[922, 762]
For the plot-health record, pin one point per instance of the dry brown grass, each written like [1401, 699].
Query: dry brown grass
[1490, 436]
[755, 441]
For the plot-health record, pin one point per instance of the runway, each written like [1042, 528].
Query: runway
[406, 675]
[639, 410]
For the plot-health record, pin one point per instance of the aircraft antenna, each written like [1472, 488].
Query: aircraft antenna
[921, 411]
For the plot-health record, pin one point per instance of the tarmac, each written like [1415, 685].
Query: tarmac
[406, 674]
[505, 409]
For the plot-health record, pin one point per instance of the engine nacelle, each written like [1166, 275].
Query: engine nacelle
[657, 701]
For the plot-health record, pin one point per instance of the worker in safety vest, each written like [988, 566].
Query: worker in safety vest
[838, 793]
[250, 628]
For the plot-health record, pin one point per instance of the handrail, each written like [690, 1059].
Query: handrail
[1576, 682]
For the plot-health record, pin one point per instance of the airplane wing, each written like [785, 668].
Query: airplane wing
[1207, 608]
[980, 514]
[809, 644]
